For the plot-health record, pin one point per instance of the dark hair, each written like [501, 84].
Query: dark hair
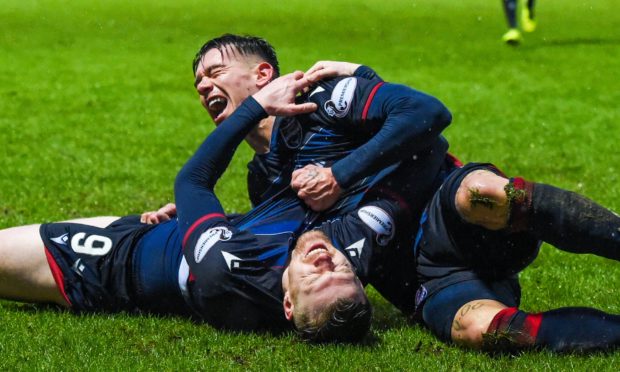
[346, 320]
[245, 45]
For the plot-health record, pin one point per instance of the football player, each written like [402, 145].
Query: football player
[528, 24]
[128, 265]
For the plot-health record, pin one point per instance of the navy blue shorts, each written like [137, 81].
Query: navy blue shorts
[126, 266]
[91, 265]
[458, 262]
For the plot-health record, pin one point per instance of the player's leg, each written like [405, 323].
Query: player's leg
[462, 312]
[513, 36]
[527, 16]
[562, 218]
[488, 323]
[25, 274]
[563, 330]
[510, 10]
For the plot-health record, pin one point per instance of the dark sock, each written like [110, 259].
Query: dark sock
[560, 330]
[510, 8]
[565, 219]
[530, 5]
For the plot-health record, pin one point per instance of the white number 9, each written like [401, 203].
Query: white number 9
[94, 245]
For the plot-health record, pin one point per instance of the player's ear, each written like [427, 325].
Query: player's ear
[264, 74]
[288, 306]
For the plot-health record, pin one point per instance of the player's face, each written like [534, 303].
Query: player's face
[319, 274]
[224, 78]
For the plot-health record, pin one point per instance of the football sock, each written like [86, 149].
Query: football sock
[530, 6]
[565, 219]
[528, 24]
[510, 8]
[560, 330]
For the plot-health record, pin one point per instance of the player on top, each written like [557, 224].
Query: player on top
[129, 265]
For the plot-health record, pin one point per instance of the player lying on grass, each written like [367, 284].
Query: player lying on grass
[409, 122]
[234, 275]
[485, 253]
[236, 268]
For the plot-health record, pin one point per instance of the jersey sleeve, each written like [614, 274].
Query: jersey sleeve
[197, 205]
[368, 73]
[397, 120]
[205, 231]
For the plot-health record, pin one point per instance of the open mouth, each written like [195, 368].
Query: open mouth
[216, 106]
[316, 249]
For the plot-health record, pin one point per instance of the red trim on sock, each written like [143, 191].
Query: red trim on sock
[532, 324]
[519, 183]
[59, 278]
[520, 327]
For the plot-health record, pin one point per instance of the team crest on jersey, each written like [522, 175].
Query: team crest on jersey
[342, 95]
[208, 240]
[379, 221]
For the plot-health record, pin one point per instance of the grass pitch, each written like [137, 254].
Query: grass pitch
[98, 113]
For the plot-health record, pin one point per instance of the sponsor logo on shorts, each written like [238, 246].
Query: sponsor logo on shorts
[62, 240]
[78, 266]
[208, 240]
[379, 221]
[342, 96]
[355, 249]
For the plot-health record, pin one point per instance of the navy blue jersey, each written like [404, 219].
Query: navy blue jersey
[270, 172]
[376, 238]
[361, 127]
[235, 268]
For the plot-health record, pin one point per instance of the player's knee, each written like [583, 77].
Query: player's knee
[481, 200]
[469, 333]
[471, 322]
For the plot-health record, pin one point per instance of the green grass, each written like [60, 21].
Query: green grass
[98, 112]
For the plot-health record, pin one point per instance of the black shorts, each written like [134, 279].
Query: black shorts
[92, 266]
[450, 251]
